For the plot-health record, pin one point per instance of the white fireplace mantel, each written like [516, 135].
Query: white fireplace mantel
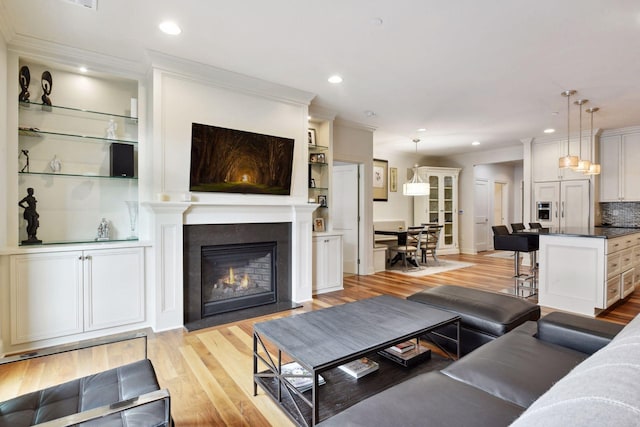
[168, 221]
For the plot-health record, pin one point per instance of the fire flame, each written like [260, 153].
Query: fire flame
[244, 282]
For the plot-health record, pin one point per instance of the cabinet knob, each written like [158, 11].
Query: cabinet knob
[80, 258]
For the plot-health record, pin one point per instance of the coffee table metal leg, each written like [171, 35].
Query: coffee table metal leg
[255, 364]
[315, 418]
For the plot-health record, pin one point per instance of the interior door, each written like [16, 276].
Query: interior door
[481, 215]
[344, 211]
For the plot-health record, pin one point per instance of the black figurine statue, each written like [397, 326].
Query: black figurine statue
[25, 79]
[31, 216]
[47, 84]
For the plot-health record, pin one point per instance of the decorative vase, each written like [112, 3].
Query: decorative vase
[132, 206]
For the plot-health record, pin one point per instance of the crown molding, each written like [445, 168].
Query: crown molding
[621, 131]
[575, 135]
[43, 50]
[354, 125]
[210, 75]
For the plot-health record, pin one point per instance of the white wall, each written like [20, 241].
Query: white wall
[466, 162]
[3, 141]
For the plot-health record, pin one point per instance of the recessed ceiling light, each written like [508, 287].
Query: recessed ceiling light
[475, 143]
[370, 113]
[170, 27]
[549, 130]
[83, 69]
[376, 21]
[421, 130]
[554, 113]
[335, 79]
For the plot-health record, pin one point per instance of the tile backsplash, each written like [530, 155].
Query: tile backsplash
[620, 214]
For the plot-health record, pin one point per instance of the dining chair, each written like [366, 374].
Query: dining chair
[429, 244]
[535, 225]
[410, 248]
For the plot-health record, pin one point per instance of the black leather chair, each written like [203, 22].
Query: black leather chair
[517, 226]
[535, 225]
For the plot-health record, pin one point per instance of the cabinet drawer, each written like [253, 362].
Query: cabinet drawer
[626, 259]
[627, 283]
[613, 290]
[613, 264]
[617, 244]
[636, 255]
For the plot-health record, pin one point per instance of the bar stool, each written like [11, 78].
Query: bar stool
[518, 242]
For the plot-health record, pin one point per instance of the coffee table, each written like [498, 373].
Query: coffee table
[322, 340]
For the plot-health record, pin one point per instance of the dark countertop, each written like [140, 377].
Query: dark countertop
[599, 232]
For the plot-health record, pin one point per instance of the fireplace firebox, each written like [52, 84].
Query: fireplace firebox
[237, 276]
[235, 271]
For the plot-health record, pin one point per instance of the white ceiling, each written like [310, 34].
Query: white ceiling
[465, 70]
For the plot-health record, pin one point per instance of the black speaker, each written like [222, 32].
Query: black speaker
[121, 159]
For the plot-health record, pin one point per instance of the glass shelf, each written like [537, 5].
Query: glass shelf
[78, 175]
[319, 163]
[318, 188]
[78, 241]
[46, 107]
[38, 134]
[318, 147]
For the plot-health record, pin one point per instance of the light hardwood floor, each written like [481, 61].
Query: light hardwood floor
[208, 372]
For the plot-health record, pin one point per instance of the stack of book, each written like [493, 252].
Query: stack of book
[359, 368]
[304, 381]
[407, 353]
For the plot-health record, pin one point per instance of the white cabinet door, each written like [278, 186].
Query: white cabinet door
[630, 167]
[574, 204]
[327, 263]
[545, 161]
[45, 295]
[114, 293]
[440, 206]
[611, 172]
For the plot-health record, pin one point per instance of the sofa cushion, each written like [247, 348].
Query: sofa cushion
[579, 333]
[605, 383]
[429, 399]
[516, 367]
[90, 392]
[490, 312]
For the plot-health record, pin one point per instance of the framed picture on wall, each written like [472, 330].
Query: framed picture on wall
[311, 136]
[393, 180]
[380, 180]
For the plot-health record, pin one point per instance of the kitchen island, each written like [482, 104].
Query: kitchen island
[586, 270]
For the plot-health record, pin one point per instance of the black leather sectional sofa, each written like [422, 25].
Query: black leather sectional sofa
[511, 380]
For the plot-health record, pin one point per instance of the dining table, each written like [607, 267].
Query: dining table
[402, 235]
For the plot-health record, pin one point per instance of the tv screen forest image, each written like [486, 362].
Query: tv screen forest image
[235, 161]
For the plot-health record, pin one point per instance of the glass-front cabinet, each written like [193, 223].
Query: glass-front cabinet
[441, 205]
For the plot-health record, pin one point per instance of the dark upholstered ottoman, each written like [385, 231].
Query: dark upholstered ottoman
[485, 315]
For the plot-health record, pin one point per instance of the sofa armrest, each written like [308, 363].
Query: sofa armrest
[576, 332]
[114, 408]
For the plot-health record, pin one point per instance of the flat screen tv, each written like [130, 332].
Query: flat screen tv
[235, 161]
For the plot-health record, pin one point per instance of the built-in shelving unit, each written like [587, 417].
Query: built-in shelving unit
[64, 154]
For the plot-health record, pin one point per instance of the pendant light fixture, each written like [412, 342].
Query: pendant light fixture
[415, 187]
[568, 161]
[583, 164]
[594, 169]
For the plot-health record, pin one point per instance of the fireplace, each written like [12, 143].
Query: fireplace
[235, 271]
